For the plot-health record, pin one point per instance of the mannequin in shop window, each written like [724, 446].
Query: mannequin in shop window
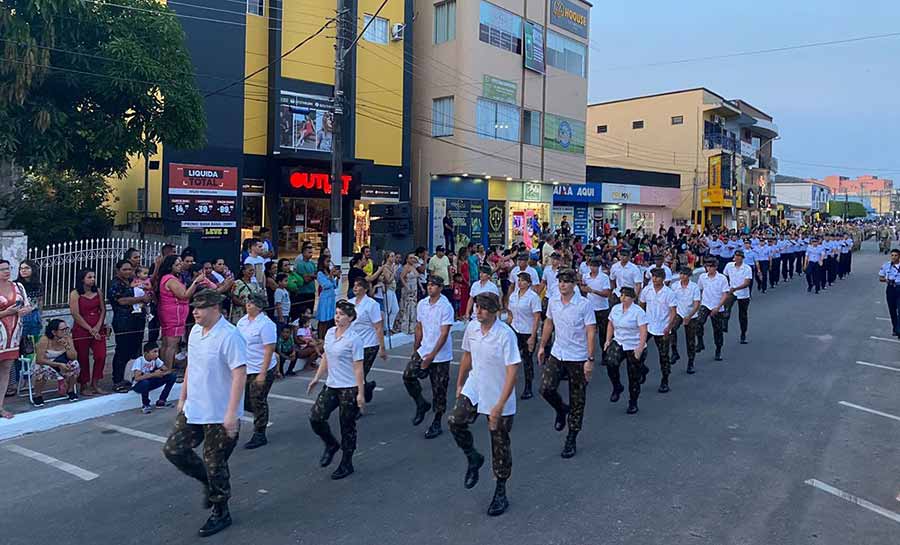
[361, 225]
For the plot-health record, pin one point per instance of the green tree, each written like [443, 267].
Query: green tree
[52, 207]
[853, 209]
[85, 85]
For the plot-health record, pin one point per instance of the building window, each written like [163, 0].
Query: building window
[637, 124]
[601, 129]
[497, 120]
[500, 28]
[442, 116]
[256, 7]
[566, 54]
[445, 22]
[377, 31]
[141, 198]
[531, 127]
[678, 120]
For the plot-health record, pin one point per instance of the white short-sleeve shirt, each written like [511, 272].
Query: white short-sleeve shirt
[685, 297]
[665, 268]
[478, 287]
[514, 274]
[737, 276]
[599, 283]
[630, 275]
[627, 325]
[552, 282]
[712, 290]
[147, 367]
[214, 355]
[257, 334]
[340, 354]
[433, 317]
[658, 305]
[491, 355]
[523, 308]
[570, 323]
[367, 315]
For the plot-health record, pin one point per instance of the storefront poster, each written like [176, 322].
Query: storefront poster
[500, 90]
[580, 222]
[534, 47]
[467, 219]
[203, 195]
[496, 223]
[531, 192]
[306, 122]
[438, 211]
[557, 215]
[563, 134]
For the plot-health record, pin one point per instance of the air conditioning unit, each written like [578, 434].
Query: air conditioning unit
[397, 32]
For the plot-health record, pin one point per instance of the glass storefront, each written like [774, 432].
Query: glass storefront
[610, 213]
[302, 220]
[526, 221]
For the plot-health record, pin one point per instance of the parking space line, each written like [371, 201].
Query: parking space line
[249, 420]
[290, 398]
[885, 339]
[854, 499]
[82, 474]
[868, 410]
[889, 368]
[134, 433]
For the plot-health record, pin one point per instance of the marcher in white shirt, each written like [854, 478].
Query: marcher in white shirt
[523, 267]
[626, 339]
[714, 291]
[658, 263]
[369, 325]
[487, 385]
[344, 388]
[550, 280]
[431, 356]
[571, 318]
[624, 273]
[260, 334]
[523, 316]
[740, 278]
[595, 286]
[211, 401]
[658, 301]
[484, 284]
[687, 299]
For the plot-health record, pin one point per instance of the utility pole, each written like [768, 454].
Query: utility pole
[733, 184]
[335, 242]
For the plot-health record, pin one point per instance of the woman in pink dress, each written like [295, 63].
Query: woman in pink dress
[89, 332]
[13, 306]
[173, 305]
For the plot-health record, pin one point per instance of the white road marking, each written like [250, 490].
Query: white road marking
[856, 500]
[883, 319]
[884, 339]
[868, 410]
[394, 371]
[134, 433]
[249, 420]
[889, 368]
[307, 379]
[289, 398]
[82, 474]
[406, 358]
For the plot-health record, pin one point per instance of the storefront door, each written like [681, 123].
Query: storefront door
[300, 221]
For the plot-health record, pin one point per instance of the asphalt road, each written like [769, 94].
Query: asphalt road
[724, 458]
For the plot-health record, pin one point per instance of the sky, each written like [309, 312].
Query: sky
[837, 107]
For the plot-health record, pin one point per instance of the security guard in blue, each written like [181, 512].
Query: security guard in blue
[727, 254]
[750, 259]
[890, 275]
[802, 244]
[763, 254]
[831, 253]
[715, 250]
[846, 244]
[812, 264]
[775, 260]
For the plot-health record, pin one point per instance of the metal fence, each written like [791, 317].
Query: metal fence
[59, 263]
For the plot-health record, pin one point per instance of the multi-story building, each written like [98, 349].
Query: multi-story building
[876, 193]
[721, 149]
[809, 196]
[498, 115]
[268, 91]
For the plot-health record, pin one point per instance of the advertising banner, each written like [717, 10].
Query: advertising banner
[621, 193]
[467, 217]
[496, 230]
[580, 222]
[500, 90]
[569, 16]
[438, 211]
[203, 195]
[305, 122]
[563, 134]
[534, 47]
[588, 193]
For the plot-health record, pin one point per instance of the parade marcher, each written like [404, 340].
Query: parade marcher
[831, 253]
[486, 384]
[763, 259]
[813, 263]
[524, 316]
[622, 274]
[523, 267]
[687, 299]
[432, 353]
[750, 260]
[714, 291]
[344, 388]
[626, 339]
[484, 284]
[260, 335]
[369, 326]
[716, 246]
[728, 248]
[658, 263]
[210, 404]
[596, 287]
[740, 278]
[890, 275]
[659, 303]
[570, 317]
[775, 260]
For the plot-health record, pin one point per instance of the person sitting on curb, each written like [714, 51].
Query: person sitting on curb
[151, 373]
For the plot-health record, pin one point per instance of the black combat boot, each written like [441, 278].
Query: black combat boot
[346, 467]
[632, 407]
[435, 429]
[421, 409]
[527, 393]
[690, 367]
[644, 372]
[328, 454]
[476, 460]
[616, 393]
[218, 520]
[664, 385]
[700, 346]
[675, 357]
[561, 415]
[743, 338]
[499, 504]
[369, 391]
[258, 440]
[569, 448]
[718, 354]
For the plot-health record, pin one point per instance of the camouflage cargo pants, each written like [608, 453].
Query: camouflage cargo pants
[212, 469]
[328, 400]
[663, 342]
[256, 400]
[369, 354]
[527, 356]
[577, 386]
[464, 414]
[690, 337]
[439, 372]
[718, 325]
[634, 367]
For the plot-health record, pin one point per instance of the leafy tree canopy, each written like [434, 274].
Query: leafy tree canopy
[84, 85]
[853, 209]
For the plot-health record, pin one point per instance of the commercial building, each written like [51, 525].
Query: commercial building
[808, 199]
[498, 115]
[270, 120]
[875, 193]
[721, 149]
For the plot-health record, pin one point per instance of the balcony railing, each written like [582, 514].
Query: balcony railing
[721, 141]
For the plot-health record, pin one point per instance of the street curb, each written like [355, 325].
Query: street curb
[65, 413]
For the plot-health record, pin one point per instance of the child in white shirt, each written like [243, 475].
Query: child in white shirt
[151, 373]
